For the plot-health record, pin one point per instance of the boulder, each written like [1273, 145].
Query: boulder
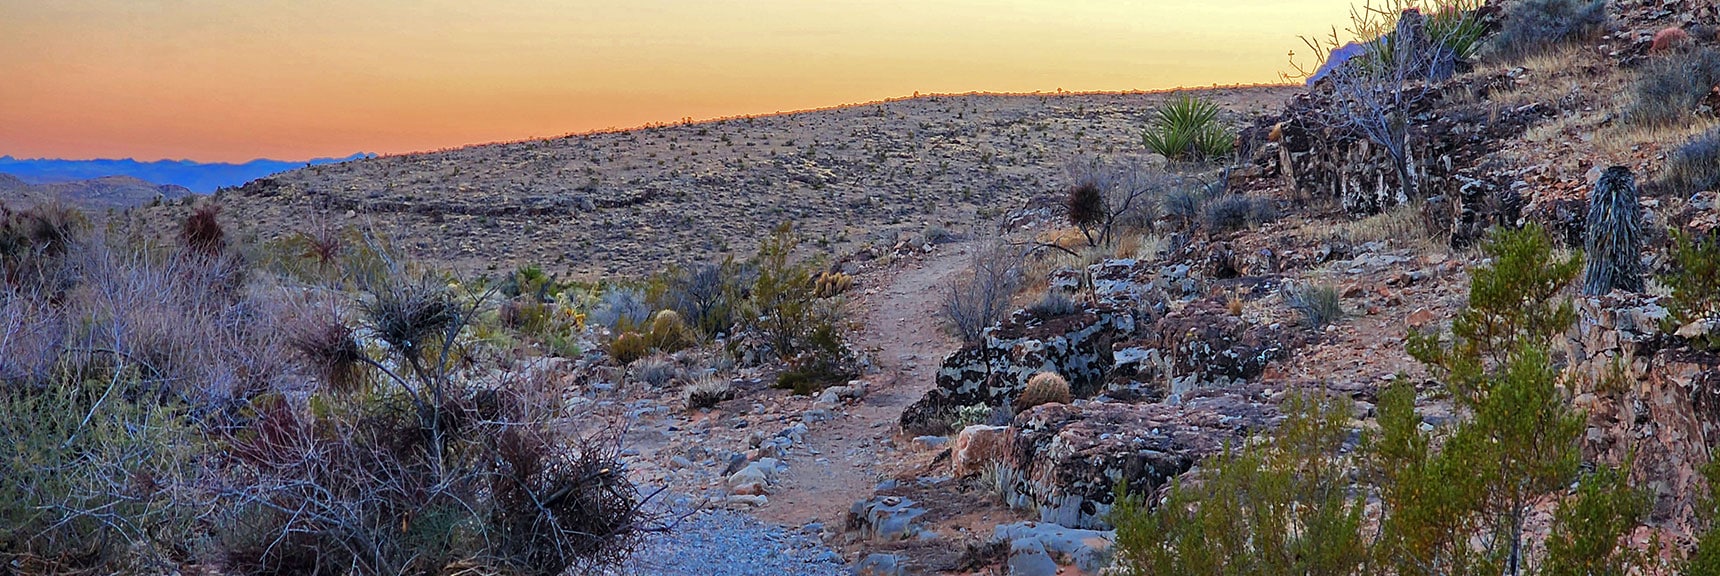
[978, 446]
[994, 371]
[1067, 458]
[1087, 550]
[884, 518]
[1203, 343]
[879, 565]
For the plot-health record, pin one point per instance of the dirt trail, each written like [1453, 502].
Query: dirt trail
[902, 328]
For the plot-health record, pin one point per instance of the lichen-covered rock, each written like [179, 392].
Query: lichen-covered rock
[995, 370]
[1203, 343]
[1067, 458]
[1087, 550]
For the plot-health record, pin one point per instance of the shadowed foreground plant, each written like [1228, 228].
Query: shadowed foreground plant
[1282, 507]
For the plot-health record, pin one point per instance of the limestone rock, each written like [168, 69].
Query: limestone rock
[1087, 550]
[977, 446]
[885, 518]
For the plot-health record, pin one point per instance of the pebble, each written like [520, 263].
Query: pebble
[723, 543]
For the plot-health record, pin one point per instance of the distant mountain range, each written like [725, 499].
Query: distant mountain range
[198, 177]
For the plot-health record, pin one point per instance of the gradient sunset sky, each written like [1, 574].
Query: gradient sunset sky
[232, 80]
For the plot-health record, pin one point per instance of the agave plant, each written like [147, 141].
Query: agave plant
[1188, 128]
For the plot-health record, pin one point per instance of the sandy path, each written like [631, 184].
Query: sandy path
[902, 326]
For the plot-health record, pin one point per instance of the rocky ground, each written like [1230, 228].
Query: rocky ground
[631, 202]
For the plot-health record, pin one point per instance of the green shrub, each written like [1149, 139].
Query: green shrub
[1669, 88]
[1694, 277]
[1591, 531]
[1283, 507]
[1536, 26]
[96, 476]
[1188, 128]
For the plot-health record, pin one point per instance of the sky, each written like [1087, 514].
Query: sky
[234, 80]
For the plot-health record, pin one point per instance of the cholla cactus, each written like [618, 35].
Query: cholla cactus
[1614, 236]
[829, 284]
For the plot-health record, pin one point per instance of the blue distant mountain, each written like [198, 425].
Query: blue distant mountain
[197, 176]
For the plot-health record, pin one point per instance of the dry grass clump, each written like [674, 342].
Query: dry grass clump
[1044, 388]
[1694, 167]
[708, 392]
[1672, 85]
[656, 370]
[1318, 305]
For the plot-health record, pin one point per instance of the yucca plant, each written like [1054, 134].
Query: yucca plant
[1614, 235]
[1188, 128]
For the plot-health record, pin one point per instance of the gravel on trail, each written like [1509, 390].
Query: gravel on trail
[728, 543]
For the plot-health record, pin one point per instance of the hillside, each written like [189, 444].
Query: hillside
[631, 202]
[117, 192]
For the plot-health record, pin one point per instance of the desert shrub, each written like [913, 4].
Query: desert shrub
[621, 309]
[1694, 167]
[1693, 275]
[330, 347]
[628, 347]
[1669, 88]
[1053, 304]
[1535, 26]
[1705, 559]
[708, 392]
[1186, 206]
[1237, 211]
[1319, 305]
[1188, 128]
[33, 240]
[979, 298]
[202, 232]
[96, 476]
[1044, 388]
[1269, 508]
[1085, 203]
[1613, 235]
[668, 332]
[707, 296]
[656, 371]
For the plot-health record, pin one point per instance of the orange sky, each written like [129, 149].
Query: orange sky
[232, 80]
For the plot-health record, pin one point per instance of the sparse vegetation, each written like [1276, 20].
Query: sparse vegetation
[979, 298]
[708, 392]
[1052, 305]
[1694, 167]
[1671, 85]
[1537, 26]
[1318, 305]
[1237, 211]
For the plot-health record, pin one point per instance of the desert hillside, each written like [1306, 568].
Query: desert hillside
[1452, 308]
[631, 202]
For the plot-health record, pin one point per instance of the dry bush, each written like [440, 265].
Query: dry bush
[708, 392]
[1044, 388]
[656, 371]
[979, 298]
[1671, 86]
